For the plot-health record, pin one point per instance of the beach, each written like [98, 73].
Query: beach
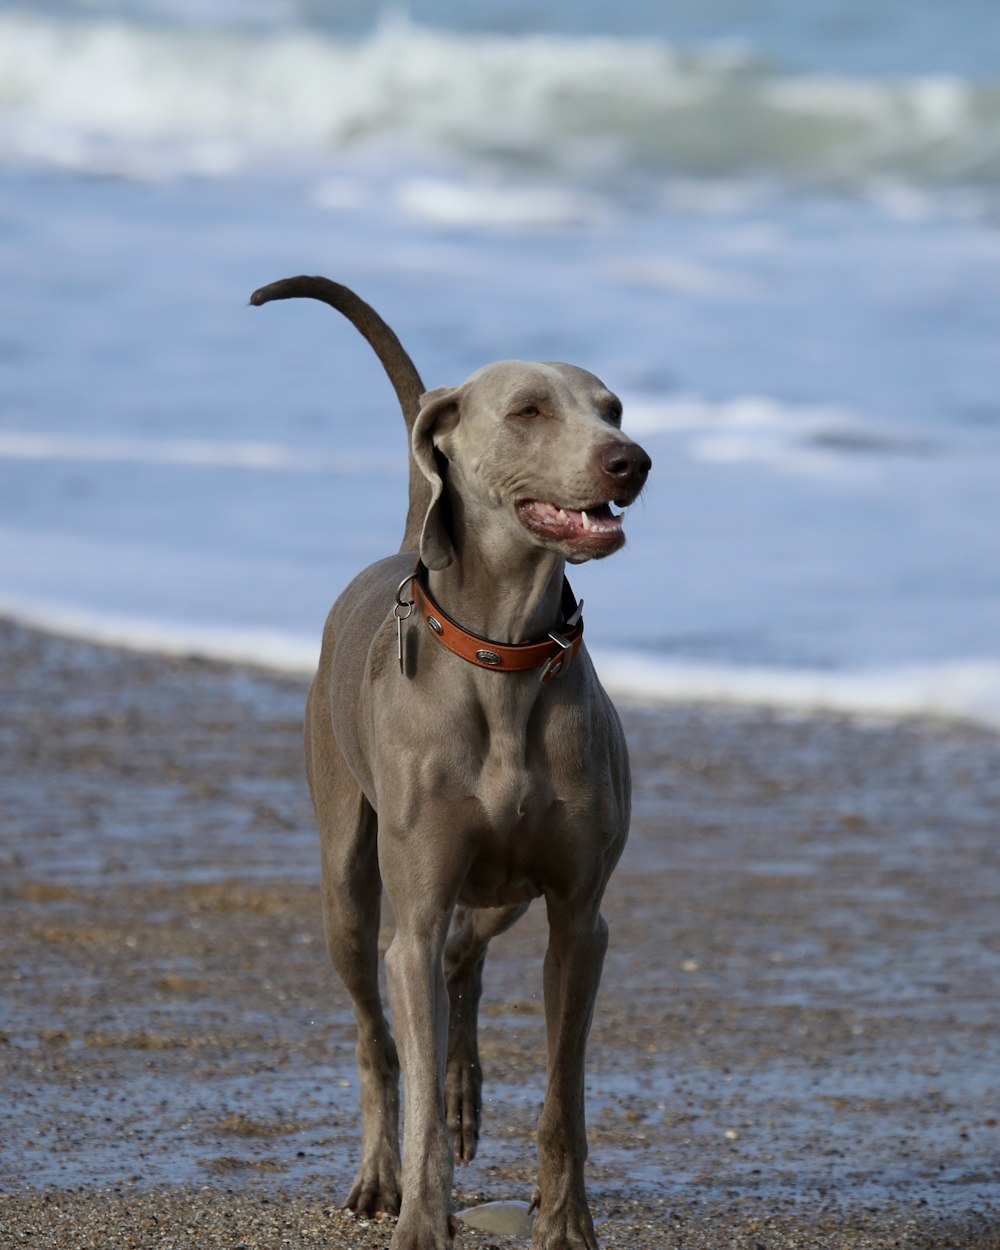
[772, 231]
[795, 1043]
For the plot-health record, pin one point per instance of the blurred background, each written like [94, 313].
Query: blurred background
[773, 229]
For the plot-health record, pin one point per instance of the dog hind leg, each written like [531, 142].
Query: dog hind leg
[352, 896]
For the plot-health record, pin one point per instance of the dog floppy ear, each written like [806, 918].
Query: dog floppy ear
[439, 411]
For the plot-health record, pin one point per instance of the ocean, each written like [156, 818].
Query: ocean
[773, 230]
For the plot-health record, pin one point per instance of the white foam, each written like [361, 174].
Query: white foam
[967, 691]
[694, 413]
[798, 439]
[678, 274]
[149, 101]
[189, 453]
[963, 692]
[262, 648]
[490, 203]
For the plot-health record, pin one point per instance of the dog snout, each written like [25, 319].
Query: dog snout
[627, 465]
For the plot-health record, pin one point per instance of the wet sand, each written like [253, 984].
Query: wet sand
[796, 1041]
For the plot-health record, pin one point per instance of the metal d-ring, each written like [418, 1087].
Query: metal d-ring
[402, 609]
[558, 663]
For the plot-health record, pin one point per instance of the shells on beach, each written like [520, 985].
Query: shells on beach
[508, 1219]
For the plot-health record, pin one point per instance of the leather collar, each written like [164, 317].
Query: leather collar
[552, 654]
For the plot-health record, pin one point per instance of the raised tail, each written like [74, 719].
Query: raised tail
[401, 371]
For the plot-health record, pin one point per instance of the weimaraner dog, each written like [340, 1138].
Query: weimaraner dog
[462, 753]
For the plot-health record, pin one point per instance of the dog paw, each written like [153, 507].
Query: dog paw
[375, 1192]
[565, 1228]
[463, 1096]
[420, 1232]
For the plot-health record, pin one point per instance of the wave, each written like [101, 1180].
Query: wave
[966, 692]
[956, 691]
[191, 453]
[146, 101]
[259, 648]
[789, 438]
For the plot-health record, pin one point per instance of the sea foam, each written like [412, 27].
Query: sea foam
[191, 453]
[958, 692]
[955, 691]
[149, 101]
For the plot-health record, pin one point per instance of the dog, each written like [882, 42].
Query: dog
[462, 754]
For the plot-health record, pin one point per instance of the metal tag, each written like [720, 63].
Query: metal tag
[401, 610]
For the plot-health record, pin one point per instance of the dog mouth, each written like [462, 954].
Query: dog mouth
[596, 529]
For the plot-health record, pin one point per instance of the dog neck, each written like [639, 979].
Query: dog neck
[508, 596]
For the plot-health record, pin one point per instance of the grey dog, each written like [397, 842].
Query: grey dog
[462, 753]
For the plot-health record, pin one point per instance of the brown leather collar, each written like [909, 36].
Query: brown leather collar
[552, 654]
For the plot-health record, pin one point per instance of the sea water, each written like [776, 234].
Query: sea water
[775, 232]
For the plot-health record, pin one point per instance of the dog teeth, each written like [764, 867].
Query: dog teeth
[589, 524]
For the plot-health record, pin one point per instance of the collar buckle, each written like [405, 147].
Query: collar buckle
[558, 663]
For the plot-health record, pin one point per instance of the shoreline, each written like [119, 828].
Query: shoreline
[949, 693]
[795, 1042]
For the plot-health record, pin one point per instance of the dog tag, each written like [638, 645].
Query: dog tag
[401, 612]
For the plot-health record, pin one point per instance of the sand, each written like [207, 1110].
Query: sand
[796, 1040]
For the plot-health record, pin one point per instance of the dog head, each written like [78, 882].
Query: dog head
[527, 453]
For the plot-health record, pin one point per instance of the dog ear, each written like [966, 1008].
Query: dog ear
[439, 412]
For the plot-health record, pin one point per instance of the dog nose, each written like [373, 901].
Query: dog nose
[627, 463]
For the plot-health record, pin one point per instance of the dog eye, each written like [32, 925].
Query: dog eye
[615, 414]
[529, 410]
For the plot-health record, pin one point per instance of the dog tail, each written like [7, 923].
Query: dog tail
[401, 371]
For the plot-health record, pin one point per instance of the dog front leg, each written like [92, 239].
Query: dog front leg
[464, 956]
[418, 996]
[578, 939]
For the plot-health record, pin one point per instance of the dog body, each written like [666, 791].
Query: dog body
[464, 791]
